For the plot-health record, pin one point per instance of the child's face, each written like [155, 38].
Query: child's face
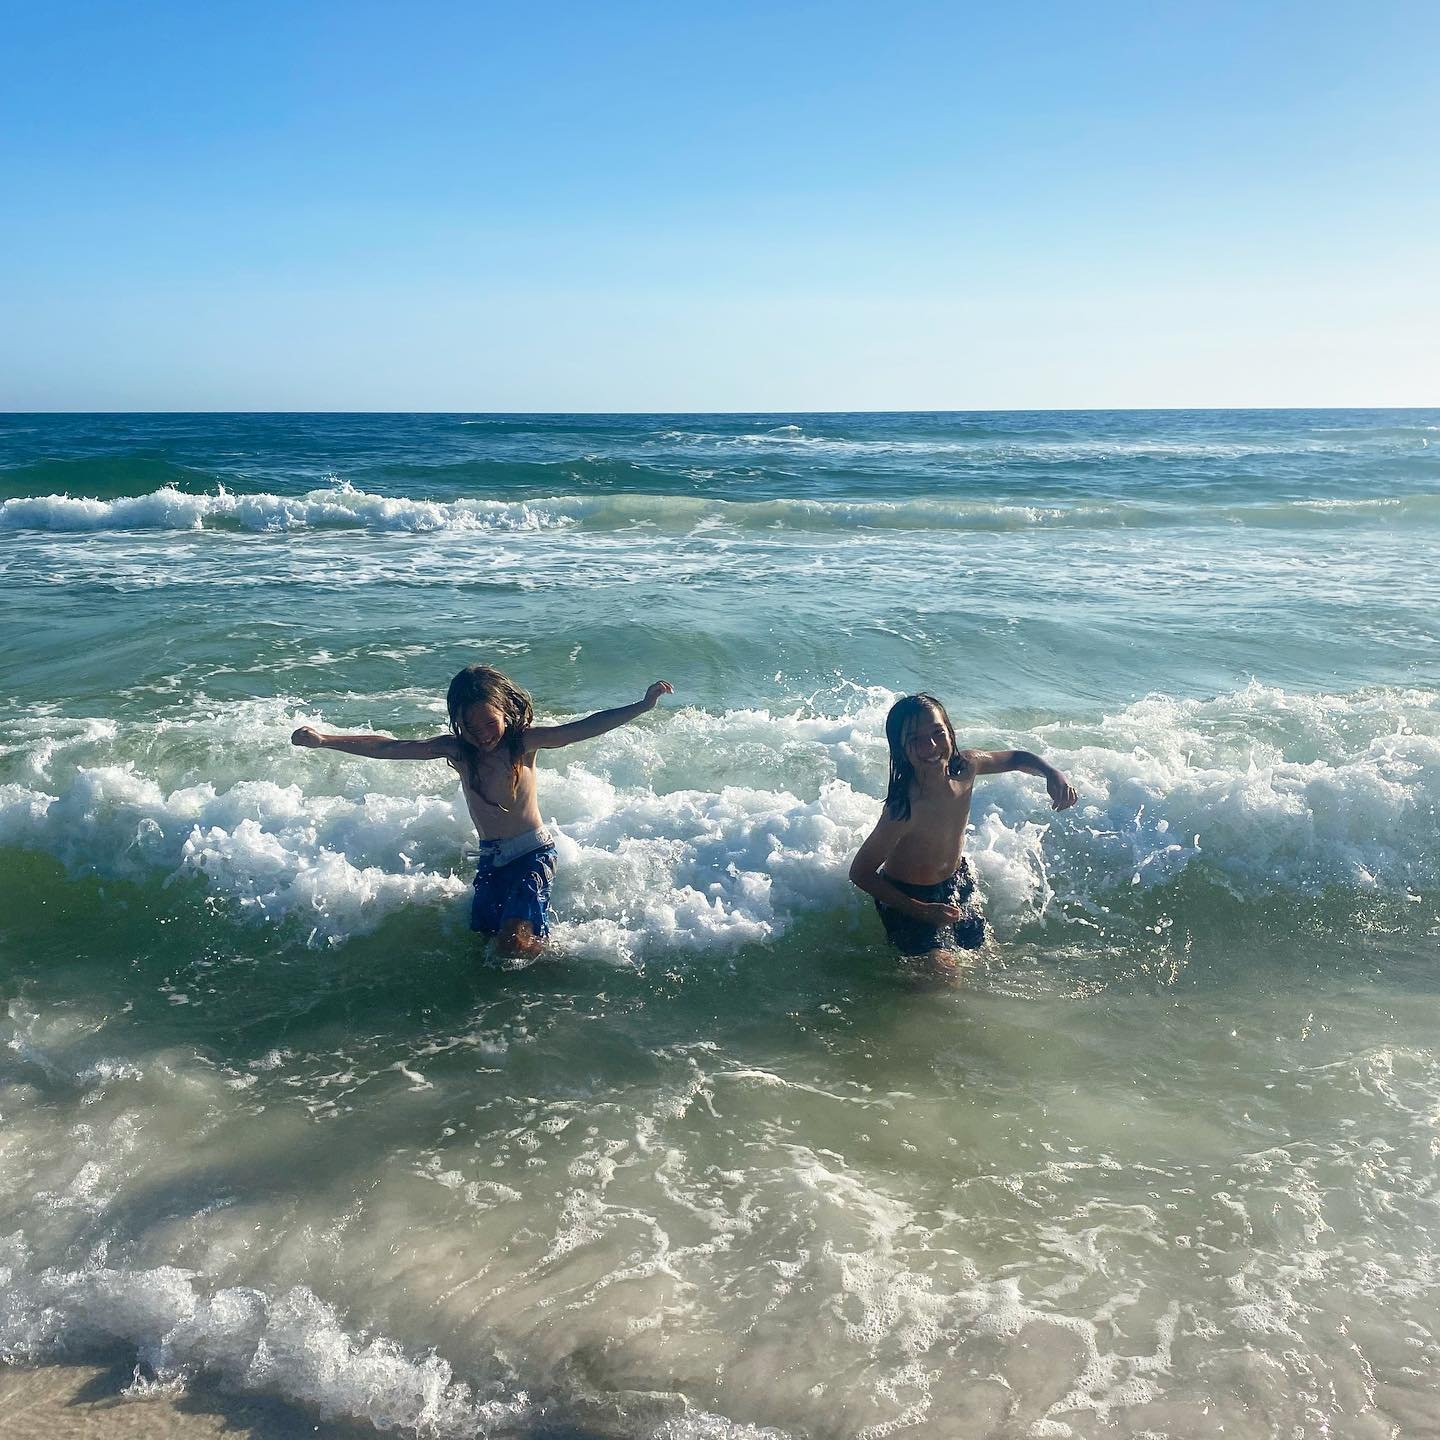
[928, 742]
[483, 724]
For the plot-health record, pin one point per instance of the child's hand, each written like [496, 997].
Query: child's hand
[1062, 792]
[653, 694]
[938, 914]
[308, 737]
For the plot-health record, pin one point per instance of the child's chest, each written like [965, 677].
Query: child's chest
[496, 784]
[942, 810]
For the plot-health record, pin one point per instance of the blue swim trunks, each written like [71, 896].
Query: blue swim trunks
[512, 882]
[912, 936]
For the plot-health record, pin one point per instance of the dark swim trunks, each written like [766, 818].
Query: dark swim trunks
[513, 887]
[915, 937]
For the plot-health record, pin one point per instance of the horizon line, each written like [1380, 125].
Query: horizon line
[798, 410]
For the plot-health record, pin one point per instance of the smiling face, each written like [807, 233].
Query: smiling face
[483, 724]
[927, 739]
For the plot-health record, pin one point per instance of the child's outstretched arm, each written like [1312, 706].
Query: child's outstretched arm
[551, 737]
[378, 747]
[998, 762]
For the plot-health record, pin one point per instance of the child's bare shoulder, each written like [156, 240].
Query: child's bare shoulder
[972, 763]
[448, 749]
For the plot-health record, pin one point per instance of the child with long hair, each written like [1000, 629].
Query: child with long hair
[911, 863]
[492, 745]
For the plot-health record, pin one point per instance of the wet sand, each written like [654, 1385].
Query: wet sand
[102, 1402]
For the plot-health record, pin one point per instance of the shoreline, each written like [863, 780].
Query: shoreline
[93, 1399]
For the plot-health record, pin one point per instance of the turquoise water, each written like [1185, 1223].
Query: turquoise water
[1165, 1165]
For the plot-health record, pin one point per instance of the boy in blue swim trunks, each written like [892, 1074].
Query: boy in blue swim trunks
[492, 745]
[912, 863]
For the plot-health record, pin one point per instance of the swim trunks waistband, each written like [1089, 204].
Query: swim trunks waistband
[496, 853]
[941, 889]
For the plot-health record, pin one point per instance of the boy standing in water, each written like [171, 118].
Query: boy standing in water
[912, 863]
[492, 745]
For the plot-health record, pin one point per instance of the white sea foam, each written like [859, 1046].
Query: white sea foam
[345, 508]
[661, 846]
[339, 507]
[999, 451]
[293, 1344]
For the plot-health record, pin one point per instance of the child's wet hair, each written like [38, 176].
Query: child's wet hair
[900, 724]
[484, 685]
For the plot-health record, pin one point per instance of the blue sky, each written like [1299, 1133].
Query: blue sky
[718, 207]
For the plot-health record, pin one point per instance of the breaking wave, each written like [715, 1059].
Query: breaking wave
[707, 831]
[343, 507]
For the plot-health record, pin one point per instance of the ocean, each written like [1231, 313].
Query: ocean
[1167, 1163]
